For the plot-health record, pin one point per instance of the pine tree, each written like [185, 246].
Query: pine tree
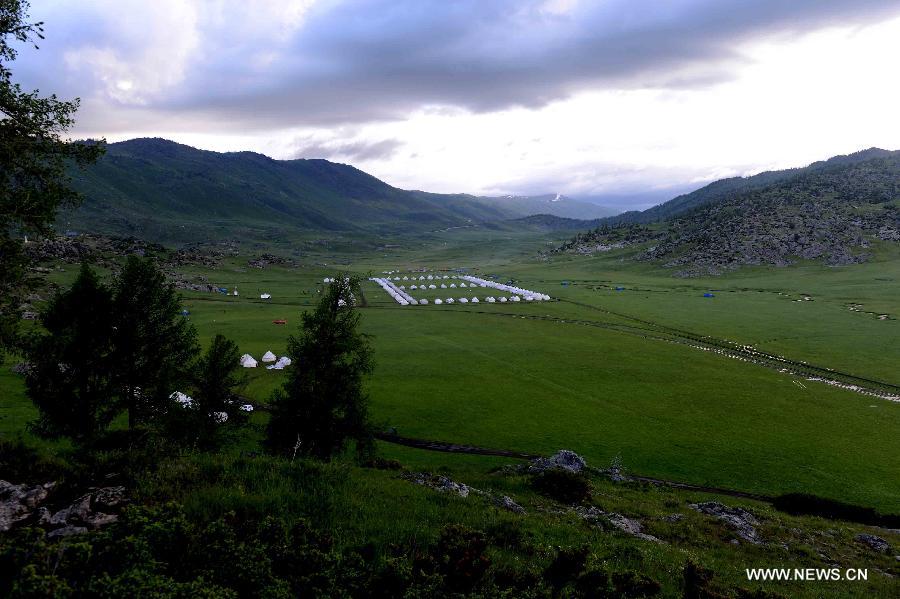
[154, 345]
[71, 378]
[322, 405]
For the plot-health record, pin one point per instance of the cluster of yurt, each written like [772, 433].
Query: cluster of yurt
[529, 295]
[273, 362]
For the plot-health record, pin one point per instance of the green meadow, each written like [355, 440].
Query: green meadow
[482, 374]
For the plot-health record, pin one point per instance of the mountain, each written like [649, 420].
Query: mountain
[724, 188]
[551, 204]
[833, 211]
[165, 191]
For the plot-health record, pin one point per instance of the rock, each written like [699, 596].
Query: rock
[876, 543]
[738, 519]
[674, 518]
[66, 531]
[108, 497]
[562, 459]
[506, 502]
[598, 517]
[438, 483]
[99, 519]
[17, 502]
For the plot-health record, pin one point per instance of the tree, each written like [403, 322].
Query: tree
[33, 163]
[70, 380]
[217, 377]
[153, 345]
[322, 404]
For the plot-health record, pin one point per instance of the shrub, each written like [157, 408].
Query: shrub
[812, 505]
[562, 485]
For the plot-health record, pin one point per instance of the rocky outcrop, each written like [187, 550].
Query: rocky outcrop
[563, 459]
[875, 543]
[443, 484]
[598, 517]
[22, 505]
[742, 522]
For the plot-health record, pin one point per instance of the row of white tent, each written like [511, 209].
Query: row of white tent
[247, 361]
[526, 293]
[400, 296]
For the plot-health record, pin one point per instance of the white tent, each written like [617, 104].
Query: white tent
[265, 296]
[247, 407]
[275, 366]
[452, 285]
[402, 286]
[462, 284]
[438, 301]
[503, 299]
[430, 277]
[474, 300]
[283, 361]
[463, 300]
[432, 287]
[491, 300]
[413, 287]
[423, 302]
[405, 278]
[449, 300]
[514, 298]
[220, 417]
[269, 357]
[247, 361]
[443, 285]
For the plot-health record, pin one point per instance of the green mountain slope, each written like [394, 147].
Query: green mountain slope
[725, 188]
[836, 211]
[166, 191]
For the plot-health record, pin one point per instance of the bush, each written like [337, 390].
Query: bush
[22, 463]
[562, 485]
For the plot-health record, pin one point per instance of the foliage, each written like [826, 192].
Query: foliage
[33, 162]
[71, 375]
[562, 485]
[805, 503]
[216, 379]
[322, 404]
[154, 346]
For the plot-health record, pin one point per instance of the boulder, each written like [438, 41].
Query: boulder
[873, 542]
[738, 519]
[562, 460]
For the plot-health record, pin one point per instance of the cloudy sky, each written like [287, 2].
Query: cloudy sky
[618, 99]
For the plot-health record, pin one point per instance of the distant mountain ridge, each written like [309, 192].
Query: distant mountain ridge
[165, 191]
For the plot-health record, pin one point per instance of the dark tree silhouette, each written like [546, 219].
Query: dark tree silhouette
[323, 405]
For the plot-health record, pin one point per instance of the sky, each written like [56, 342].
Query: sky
[625, 102]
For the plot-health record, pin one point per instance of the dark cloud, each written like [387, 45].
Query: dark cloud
[366, 60]
[354, 151]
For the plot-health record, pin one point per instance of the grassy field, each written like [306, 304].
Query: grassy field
[481, 374]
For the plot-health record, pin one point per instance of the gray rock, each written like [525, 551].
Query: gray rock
[506, 502]
[66, 531]
[17, 502]
[108, 497]
[438, 483]
[561, 460]
[630, 526]
[738, 519]
[674, 518]
[874, 542]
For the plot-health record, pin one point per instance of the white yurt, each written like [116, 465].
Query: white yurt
[438, 301]
[283, 361]
[503, 299]
[269, 357]
[402, 286]
[247, 361]
[491, 299]
[462, 284]
[430, 278]
[247, 407]
[220, 417]
[463, 300]
[443, 285]
[449, 300]
[265, 296]
[452, 285]
[405, 278]
[474, 300]
[432, 286]
[514, 298]
[413, 287]
[423, 302]
[184, 400]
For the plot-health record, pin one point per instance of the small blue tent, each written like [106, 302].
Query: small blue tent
[708, 295]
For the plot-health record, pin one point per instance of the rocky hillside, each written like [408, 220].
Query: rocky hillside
[832, 214]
